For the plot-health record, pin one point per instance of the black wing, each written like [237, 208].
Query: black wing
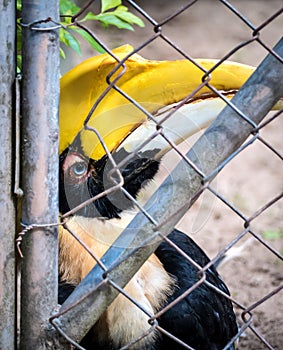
[204, 319]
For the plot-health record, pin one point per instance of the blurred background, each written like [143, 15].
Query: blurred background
[207, 29]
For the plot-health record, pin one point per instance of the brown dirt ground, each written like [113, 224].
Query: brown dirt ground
[209, 29]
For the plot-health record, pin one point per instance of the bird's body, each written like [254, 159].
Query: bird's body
[203, 319]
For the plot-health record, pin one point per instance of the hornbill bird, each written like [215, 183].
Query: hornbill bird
[204, 319]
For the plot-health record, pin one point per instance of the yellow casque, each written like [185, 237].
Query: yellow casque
[153, 84]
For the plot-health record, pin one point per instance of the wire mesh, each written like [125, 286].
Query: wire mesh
[248, 247]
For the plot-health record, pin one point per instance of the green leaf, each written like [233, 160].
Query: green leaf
[68, 7]
[89, 17]
[109, 4]
[19, 64]
[122, 13]
[72, 42]
[94, 44]
[272, 235]
[62, 53]
[19, 39]
[110, 19]
[19, 5]
[65, 21]
[62, 36]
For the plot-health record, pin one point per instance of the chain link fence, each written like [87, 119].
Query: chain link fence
[234, 195]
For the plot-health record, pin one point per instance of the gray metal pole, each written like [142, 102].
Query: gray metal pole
[221, 139]
[40, 99]
[7, 207]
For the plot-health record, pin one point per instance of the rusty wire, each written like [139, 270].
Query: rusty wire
[255, 136]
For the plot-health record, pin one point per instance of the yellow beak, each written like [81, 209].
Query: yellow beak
[152, 84]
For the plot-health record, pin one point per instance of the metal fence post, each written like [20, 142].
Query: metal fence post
[40, 98]
[7, 211]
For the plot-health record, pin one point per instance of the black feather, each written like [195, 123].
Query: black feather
[204, 319]
[64, 290]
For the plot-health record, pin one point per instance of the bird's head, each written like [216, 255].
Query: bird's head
[83, 178]
[102, 132]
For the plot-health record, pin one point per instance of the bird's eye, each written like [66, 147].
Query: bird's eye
[75, 169]
[79, 169]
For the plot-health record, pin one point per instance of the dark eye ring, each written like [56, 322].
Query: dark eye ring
[79, 169]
